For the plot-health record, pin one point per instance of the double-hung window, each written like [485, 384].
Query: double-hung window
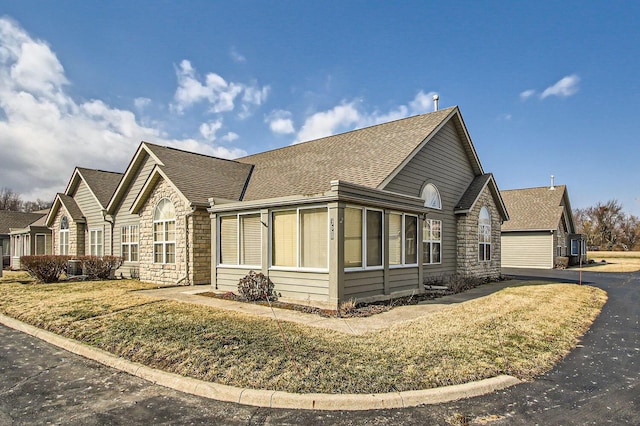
[129, 243]
[241, 240]
[299, 238]
[164, 232]
[403, 239]
[363, 233]
[64, 236]
[95, 242]
[484, 235]
[431, 242]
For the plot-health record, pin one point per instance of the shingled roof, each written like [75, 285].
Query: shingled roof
[102, 183]
[536, 209]
[10, 219]
[364, 157]
[199, 177]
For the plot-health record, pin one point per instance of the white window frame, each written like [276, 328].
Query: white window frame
[483, 230]
[363, 226]
[164, 243]
[129, 230]
[432, 241]
[238, 238]
[97, 248]
[63, 244]
[437, 197]
[403, 244]
[298, 240]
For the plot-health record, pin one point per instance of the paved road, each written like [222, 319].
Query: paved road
[598, 383]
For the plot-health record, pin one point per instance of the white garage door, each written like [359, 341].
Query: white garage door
[527, 250]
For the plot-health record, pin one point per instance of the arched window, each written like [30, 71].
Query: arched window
[164, 232]
[484, 235]
[64, 236]
[431, 197]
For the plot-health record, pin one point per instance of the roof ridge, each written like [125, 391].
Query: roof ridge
[535, 187]
[349, 131]
[98, 170]
[189, 152]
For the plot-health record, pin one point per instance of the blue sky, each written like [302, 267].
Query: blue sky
[544, 87]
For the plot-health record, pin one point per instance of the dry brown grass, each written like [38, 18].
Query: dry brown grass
[520, 330]
[616, 261]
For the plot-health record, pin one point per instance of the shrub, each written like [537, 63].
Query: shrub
[45, 269]
[99, 268]
[256, 286]
[562, 262]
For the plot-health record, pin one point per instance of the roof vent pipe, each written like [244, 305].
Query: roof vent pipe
[435, 102]
[552, 187]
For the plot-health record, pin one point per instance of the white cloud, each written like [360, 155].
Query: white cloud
[208, 130]
[230, 137]
[237, 56]
[215, 90]
[45, 133]
[141, 103]
[527, 94]
[566, 86]
[280, 122]
[347, 116]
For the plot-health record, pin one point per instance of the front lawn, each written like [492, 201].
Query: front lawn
[522, 331]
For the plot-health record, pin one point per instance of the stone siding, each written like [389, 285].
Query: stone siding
[196, 249]
[467, 233]
[76, 234]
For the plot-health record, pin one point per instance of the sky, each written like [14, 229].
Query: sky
[545, 88]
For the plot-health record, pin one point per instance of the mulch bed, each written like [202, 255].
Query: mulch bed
[360, 310]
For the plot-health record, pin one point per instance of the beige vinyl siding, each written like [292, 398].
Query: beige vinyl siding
[403, 279]
[290, 284]
[444, 163]
[361, 284]
[92, 211]
[122, 216]
[527, 250]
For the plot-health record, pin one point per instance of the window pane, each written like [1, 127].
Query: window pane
[426, 252]
[157, 253]
[158, 231]
[229, 240]
[374, 238]
[283, 239]
[313, 233]
[436, 230]
[435, 248]
[134, 252]
[133, 233]
[352, 238]
[171, 252]
[171, 230]
[40, 244]
[250, 240]
[124, 234]
[395, 239]
[410, 240]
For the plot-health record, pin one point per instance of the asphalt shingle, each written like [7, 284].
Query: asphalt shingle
[533, 208]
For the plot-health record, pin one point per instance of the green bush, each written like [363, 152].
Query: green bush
[45, 269]
[256, 286]
[99, 268]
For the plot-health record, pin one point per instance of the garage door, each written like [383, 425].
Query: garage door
[527, 250]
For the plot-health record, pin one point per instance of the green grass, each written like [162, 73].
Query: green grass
[520, 331]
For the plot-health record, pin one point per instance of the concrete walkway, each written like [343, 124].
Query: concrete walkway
[345, 325]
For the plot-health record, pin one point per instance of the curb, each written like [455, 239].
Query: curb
[268, 398]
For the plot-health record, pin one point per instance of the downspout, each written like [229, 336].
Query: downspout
[186, 242]
[113, 224]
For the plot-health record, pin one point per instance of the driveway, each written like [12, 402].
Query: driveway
[597, 383]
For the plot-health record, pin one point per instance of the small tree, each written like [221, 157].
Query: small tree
[45, 269]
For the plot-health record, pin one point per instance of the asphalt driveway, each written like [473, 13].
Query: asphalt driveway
[598, 383]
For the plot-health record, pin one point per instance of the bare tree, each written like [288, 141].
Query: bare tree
[630, 232]
[32, 206]
[10, 200]
[608, 218]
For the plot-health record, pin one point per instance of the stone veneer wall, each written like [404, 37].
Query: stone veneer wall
[160, 273]
[76, 234]
[467, 234]
[197, 248]
[200, 247]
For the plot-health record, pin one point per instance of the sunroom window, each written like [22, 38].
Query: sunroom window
[299, 238]
[403, 239]
[363, 230]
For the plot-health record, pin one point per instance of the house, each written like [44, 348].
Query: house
[365, 215]
[540, 229]
[33, 239]
[159, 210]
[14, 220]
[78, 218]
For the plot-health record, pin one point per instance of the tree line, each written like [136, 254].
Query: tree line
[12, 201]
[607, 227]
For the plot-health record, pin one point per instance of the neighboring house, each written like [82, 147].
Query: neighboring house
[10, 220]
[33, 239]
[540, 228]
[365, 215]
[162, 227]
[78, 218]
